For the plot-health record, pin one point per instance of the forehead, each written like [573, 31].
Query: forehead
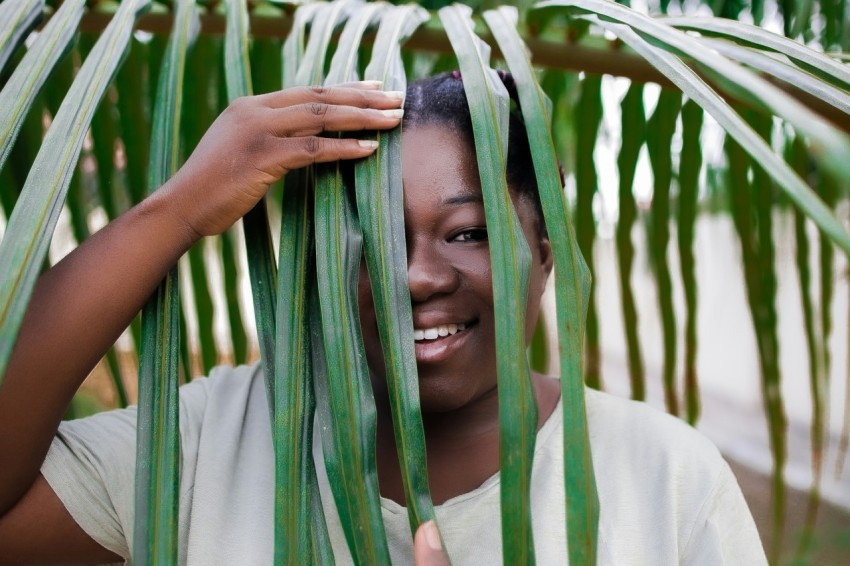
[439, 168]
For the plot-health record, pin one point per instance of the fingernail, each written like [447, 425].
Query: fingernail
[394, 94]
[372, 84]
[395, 113]
[432, 535]
[370, 144]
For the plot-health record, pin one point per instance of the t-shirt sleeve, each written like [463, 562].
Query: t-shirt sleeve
[91, 467]
[724, 531]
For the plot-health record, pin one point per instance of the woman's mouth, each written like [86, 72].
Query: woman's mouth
[437, 343]
[436, 332]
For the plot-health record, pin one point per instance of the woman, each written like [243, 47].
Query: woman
[666, 495]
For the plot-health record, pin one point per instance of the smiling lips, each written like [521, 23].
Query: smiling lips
[440, 331]
[438, 343]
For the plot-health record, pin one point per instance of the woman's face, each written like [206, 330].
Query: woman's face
[449, 273]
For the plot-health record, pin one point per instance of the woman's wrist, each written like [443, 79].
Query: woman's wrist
[173, 210]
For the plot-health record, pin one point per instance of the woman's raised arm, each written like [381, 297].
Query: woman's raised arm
[82, 304]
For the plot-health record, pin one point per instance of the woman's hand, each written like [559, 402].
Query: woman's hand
[259, 139]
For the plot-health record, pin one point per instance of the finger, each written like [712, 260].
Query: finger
[316, 117]
[338, 95]
[285, 154]
[427, 550]
[366, 85]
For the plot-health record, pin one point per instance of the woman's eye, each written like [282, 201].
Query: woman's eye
[473, 235]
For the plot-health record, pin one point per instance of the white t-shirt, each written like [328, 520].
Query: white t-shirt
[666, 495]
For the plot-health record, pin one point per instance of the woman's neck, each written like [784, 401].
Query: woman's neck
[462, 445]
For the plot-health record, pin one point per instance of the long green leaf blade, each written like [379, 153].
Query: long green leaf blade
[203, 307]
[37, 211]
[633, 133]
[18, 17]
[338, 245]
[158, 434]
[587, 120]
[262, 269]
[325, 21]
[819, 64]
[297, 484]
[760, 280]
[293, 407]
[380, 206]
[338, 252]
[135, 113]
[798, 158]
[32, 72]
[573, 286]
[293, 46]
[510, 259]
[690, 164]
[659, 136]
[773, 67]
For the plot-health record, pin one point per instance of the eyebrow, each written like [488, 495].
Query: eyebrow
[463, 199]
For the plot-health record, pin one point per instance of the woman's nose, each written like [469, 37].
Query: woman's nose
[429, 273]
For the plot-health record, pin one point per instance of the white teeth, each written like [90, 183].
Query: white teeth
[437, 332]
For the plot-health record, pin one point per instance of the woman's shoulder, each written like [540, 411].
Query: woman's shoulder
[638, 430]
[660, 479]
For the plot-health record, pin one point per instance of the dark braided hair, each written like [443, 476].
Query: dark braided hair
[440, 101]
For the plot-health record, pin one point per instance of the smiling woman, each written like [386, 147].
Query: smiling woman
[667, 496]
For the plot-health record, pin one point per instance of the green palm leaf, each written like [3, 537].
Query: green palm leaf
[380, 207]
[338, 253]
[293, 46]
[633, 121]
[572, 291]
[32, 72]
[203, 307]
[760, 281]
[689, 170]
[300, 515]
[587, 120]
[262, 269]
[797, 156]
[158, 434]
[135, 114]
[775, 68]
[822, 66]
[34, 218]
[510, 259]
[659, 136]
[327, 17]
[18, 17]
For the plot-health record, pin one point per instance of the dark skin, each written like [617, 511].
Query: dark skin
[81, 305]
[450, 282]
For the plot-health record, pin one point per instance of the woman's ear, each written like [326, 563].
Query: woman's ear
[546, 258]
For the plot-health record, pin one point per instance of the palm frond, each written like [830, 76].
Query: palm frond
[158, 445]
[510, 259]
[380, 207]
[37, 210]
[572, 293]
